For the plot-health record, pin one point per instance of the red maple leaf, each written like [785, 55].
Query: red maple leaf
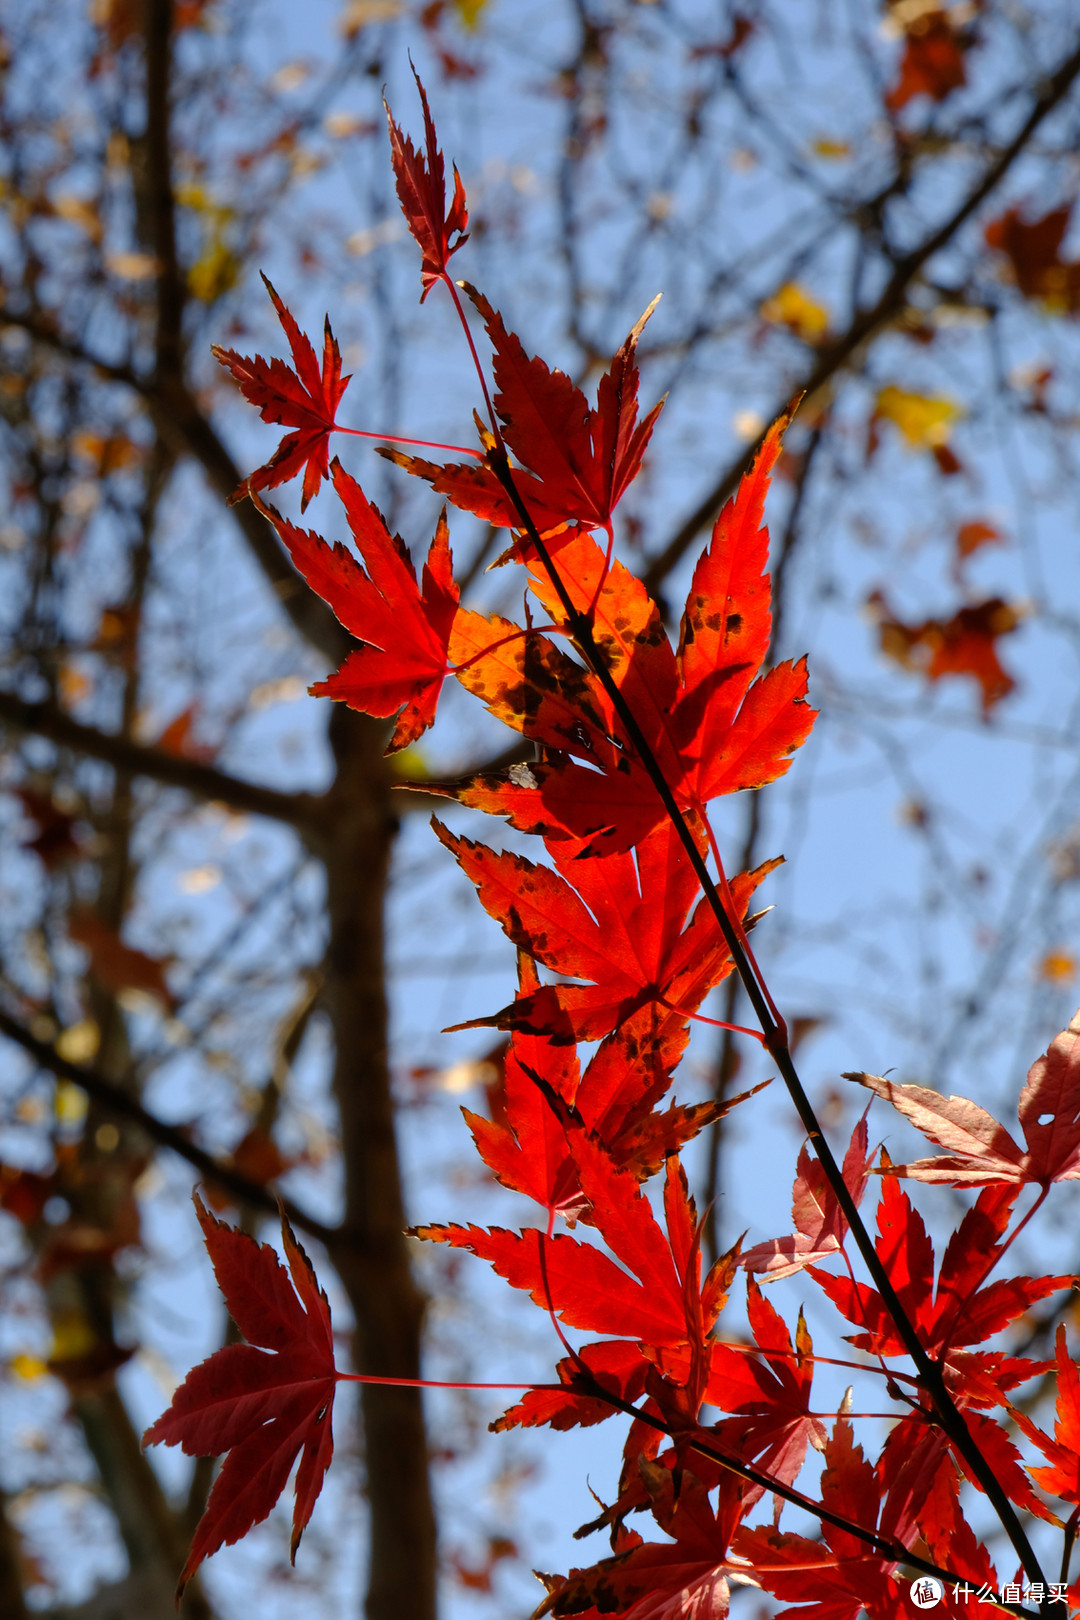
[839, 1576]
[544, 1094]
[406, 629]
[302, 399]
[263, 1409]
[819, 1224]
[578, 461]
[933, 63]
[615, 920]
[647, 1301]
[616, 1364]
[982, 1153]
[421, 189]
[775, 1421]
[685, 1578]
[961, 1311]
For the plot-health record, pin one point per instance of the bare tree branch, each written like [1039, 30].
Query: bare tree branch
[304, 811]
[115, 1100]
[868, 322]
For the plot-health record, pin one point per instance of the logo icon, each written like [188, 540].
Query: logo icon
[926, 1592]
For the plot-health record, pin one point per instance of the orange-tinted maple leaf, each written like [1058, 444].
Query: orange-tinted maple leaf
[713, 728]
[966, 644]
[405, 628]
[933, 62]
[613, 920]
[263, 1409]
[179, 737]
[300, 398]
[1062, 1477]
[980, 1151]
[544, 1095]
[578, 461]
[1033, 248]
[973, 535]
[115, 965]
[421, 189]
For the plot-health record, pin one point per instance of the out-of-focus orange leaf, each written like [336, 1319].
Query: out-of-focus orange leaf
[24, 1193]
[118, 632]
[79, 211]
[256, 1156]
[962, 645]
[1058, 967]
[115, 965]
[74, 684]
[827, 147]
[55, 840]
[971, 536]
[177, 737]
[122, 19]
[477, 1577]
[933, 62]
[107, 453]
[1034, 252]
[948, 461]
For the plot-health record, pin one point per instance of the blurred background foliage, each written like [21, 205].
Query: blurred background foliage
[228, 943]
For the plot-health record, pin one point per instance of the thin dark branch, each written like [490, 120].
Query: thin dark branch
[186, 430]
[776, 1042]
[304, 811]
[894, 1551]
[868, 322]
[115, 1100]
[171, 286]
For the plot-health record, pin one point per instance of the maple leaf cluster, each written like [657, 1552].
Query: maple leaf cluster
[620, 938]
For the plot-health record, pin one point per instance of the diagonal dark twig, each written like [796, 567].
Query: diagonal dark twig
[776, 1042]
[115, 1100]
[834, 356]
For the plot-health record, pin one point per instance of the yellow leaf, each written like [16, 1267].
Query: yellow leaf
[214, 271]
[470, 11]
[28, 1367]
[1058, 967]
[73, 1336]
[825, 147]
[924, 422]
[793, 307]
[411, 765]
[77, 211]
[70, 1103]
[79, 1044]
